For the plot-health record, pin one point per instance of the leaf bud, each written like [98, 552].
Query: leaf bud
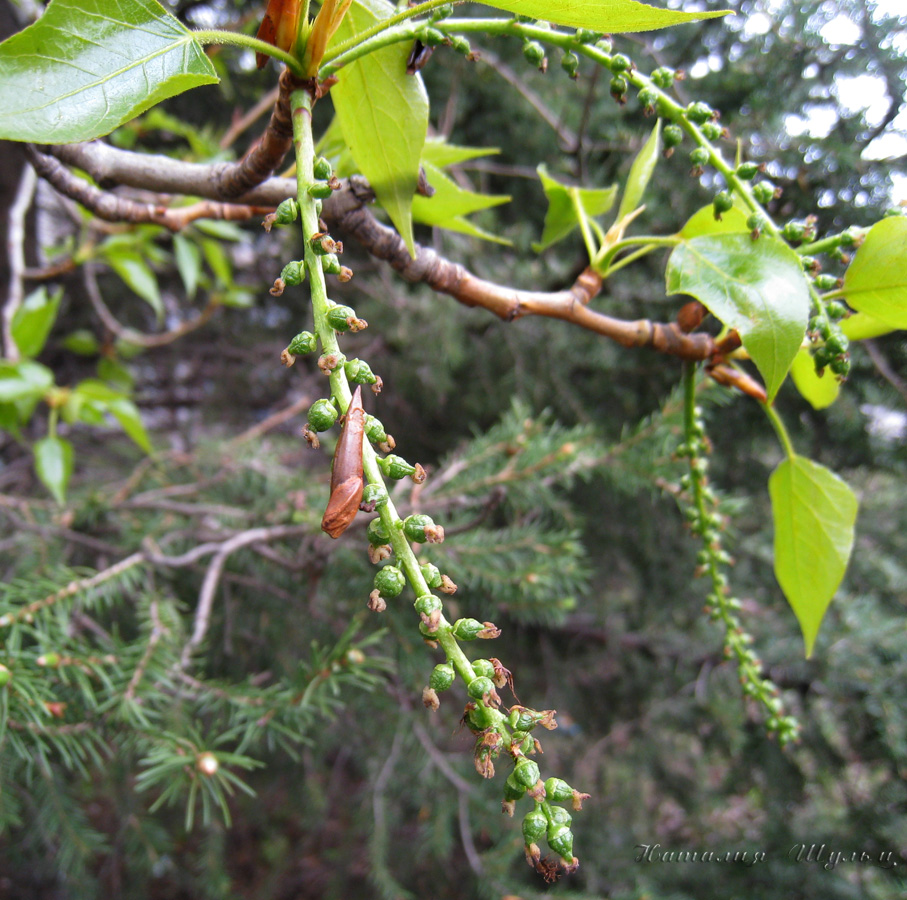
[5, 675]
[483, 667]
[322, 169]
[570, 64]
[395, 466]
[293, 273]
[479, 688]
[467, 629]
[560, 840]
[722, 202]
[699, 113]
[421, 529]
[526, 771]
[390, 581]
[322, 415]
[320, 190]
[304, 342]
[534, 53]
[663, 77]
[377, 533]
[535, 825]
[431, 574]
[618, 88]
[359, 372]
[428, 604]
[374, 496]
[764, 192]
[442, 677]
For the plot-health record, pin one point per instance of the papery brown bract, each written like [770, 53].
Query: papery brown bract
[347, 481]
[279, 27]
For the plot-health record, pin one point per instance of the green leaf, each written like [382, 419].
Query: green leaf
[860, 327]
[94, 395]
[756, 287]
[87, 66]
[24, 381]
[561, 217]
[219, 262]
[610, 17]
[876, 281]
[53, 465]
[82, 342]
[439, 153]
[640, 173]
[34, 319]
[820, 393]
[703, 221]
[127, 414]
[450, 201]
[464, 226]
[814, 513]
[138, 275]
[188, 262]
[384, 116]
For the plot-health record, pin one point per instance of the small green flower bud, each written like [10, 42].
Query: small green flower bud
[322, 169]
[747, 171]
[535, 826]
[414, 527]
[374, 495]
[722, 202]
[483, 667]
[377, 533]
[793, 231]
[304, 342]
[820, 326]
[330, 264]
[293, 273]
[375, 432]
[756, 223]
[460, 44]
[431, 574]
[837, 343]
[764, 192]
[479, 687]
[712, 131]
[467, 629]
[442, 677]
[320, 190]
[526, 772]
[557, 815]
[672, 136]
[810, 264]
[560, 840]
[50, 660]
[699, 157]
[618, 87]
[558, 790]
[663, 77]
[620, 63]
[339, 317]
[836, 310]
[570, 64]
[513, 790]
[287, 212]
[5, 676]
[322, 415]
[396, 467]
[442, 12]
[428, 604]
[587, 36]
[699, 113]
[390, 581]
[604, 44]
[648, 100]
[534, 53]
[825, 282]
[359, 372]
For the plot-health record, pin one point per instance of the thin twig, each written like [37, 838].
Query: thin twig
[884, 369]
[273, 421]
[15, 251]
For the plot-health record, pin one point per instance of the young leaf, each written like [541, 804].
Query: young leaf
[34, 319]
[756, 287]
[876, 281]
[561, 217]
[219, 261]
[138, 275]
[640, 173]
[439, 153]
[814, 513]
[53, 465]
[611, 17]
[127, 414]
[384, 116]
[818, 392]
[703, 221]
[24, 381]
[860, 327]
[188, 262]
[87, 66]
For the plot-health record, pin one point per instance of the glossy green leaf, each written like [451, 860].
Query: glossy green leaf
[188, 263]
[640, 173]
[220, 264]
[610, 17]
[24, 381]
[820, 393]
[34, 319]
[814, 513]
[87, 66]
[127, 414]
[138, 275]
[93, 395]
[875, 283]
[384, 116]
[756, 287]
[439, 153]
[703, 222]
[860, 327]
[450, 202]
[53, 465]
[82, 342]
[562, 216]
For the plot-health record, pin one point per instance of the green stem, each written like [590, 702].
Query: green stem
[780, 430]
[649, 242]
[237, 39]
[583, 219]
